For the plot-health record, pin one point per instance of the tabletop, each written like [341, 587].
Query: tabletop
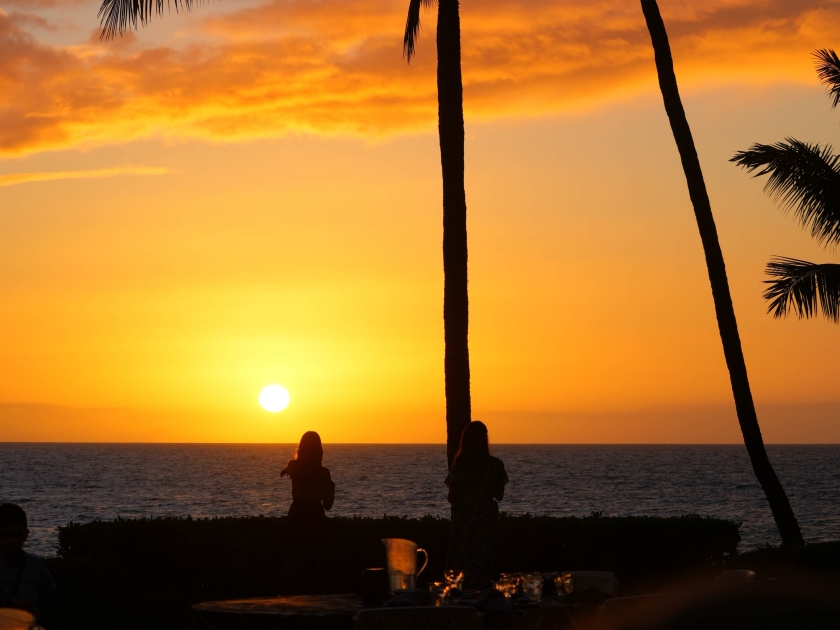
[269, 613]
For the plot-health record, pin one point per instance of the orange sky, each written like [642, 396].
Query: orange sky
[250, 193]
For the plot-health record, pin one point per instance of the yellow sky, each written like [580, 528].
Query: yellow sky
[250, 193]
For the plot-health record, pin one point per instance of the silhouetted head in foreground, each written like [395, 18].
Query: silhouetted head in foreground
[309, 451]
[13, 529]
[475, 445]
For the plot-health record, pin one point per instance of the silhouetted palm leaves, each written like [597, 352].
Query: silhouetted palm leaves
[412, 26]
[118, 16]
[803, 286]
[828, 69]
[804, 178]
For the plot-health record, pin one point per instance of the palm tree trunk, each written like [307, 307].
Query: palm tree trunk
[728, 326]
[455, 299]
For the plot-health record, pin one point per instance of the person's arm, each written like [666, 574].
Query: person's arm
[452, 494]
[328, 490]
[286, 470]
[499, 492]
[501, 479]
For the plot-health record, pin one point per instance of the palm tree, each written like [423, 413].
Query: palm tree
[451, 133]
[727, 324]
[804, 178]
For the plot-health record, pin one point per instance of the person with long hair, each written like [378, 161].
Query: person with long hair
[313, 492]
[476, 482]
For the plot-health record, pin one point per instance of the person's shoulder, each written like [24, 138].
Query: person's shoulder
[325, 472]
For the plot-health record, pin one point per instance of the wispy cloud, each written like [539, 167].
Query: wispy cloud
[10, 179]
[335, 67]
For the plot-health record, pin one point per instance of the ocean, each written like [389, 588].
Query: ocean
[60, 483]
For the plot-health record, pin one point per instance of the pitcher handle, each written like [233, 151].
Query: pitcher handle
[425, 553]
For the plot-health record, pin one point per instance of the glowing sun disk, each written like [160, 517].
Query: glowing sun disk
[274, 398]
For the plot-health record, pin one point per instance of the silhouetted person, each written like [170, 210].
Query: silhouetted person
[313, 491]
[476, 481]
[24, 580]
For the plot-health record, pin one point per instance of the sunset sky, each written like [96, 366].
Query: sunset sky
[250, 193]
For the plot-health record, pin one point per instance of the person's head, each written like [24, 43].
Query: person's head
[13, 528]
[309, 451]
[475, 446]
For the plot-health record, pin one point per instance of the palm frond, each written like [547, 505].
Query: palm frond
[118, 16]
[412, 26]
[803, 286]
[803, 178]
[828, 69]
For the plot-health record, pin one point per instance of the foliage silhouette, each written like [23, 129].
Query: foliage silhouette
[805, 179]
[451, 135]
[724, 310]
[118, 16]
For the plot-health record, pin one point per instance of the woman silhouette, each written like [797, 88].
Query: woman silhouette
[313, 491]
[476, 481]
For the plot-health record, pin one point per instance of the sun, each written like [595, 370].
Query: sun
[274, 398]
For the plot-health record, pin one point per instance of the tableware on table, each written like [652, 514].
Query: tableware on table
[515, 579]
[374, 586]
[453, 578]
[532, 584]
[14, 619]
[439, 592]
[401, 556]
[506, 585]
[549, 590]
[578, 581]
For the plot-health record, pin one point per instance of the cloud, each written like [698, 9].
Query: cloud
[10, 179]
[324, 67]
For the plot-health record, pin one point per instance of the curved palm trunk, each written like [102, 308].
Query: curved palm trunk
[455, 299]
[782, 512]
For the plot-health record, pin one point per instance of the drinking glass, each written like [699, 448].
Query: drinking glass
[532, 585]
[506, 585]
[439, 592]
[453, 578]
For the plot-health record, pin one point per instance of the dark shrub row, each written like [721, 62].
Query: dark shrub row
[147, 572]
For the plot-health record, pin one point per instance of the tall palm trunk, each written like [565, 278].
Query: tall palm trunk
[728, 326]
[455, 299]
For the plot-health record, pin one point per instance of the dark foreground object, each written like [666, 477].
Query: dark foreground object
[148, 572]
[329, 612]
[807, 601]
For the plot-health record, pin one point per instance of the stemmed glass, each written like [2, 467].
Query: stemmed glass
[453, 578]
[439, 592]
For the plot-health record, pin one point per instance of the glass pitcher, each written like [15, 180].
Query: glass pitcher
[14, 619]
[401, 555]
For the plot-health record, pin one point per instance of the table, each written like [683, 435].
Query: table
[305, 612]
[329, 612]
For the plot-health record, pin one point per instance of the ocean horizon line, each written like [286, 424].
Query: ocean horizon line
[441, 444]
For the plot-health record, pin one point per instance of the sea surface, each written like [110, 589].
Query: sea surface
[60, 483]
